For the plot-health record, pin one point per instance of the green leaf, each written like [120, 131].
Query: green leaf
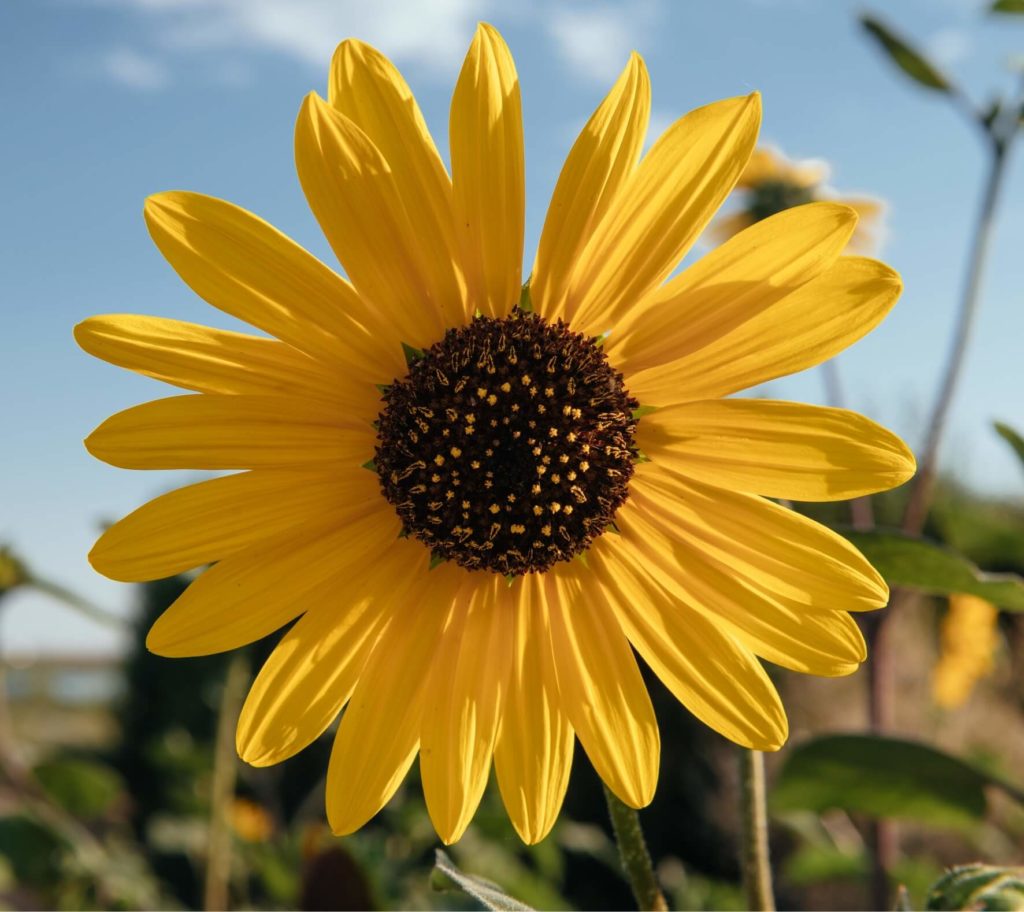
[1007, 6]
[412, 355]
[489, 895]
[978, 886]
[82, 787]
[525, 301]
[929, 567]
[1011, 437]
[883, 777]
[912, 62]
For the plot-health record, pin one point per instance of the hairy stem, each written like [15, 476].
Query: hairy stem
[222, 788]
[757, 870]
[636, 861]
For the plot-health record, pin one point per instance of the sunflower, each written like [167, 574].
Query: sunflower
[969, 637]
[475, 500]
[771, 183]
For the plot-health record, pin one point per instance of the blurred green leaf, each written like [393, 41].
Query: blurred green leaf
[920, 564]
[882, 777]
[912, 62]
[979, 887]
[1011, 436]
[34, 851]
[820, 864]
[487, 894]
[1008, 6]
[83, 788]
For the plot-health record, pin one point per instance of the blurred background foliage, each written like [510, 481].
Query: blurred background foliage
[119, 788]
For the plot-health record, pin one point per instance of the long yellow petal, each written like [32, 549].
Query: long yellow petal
[814, 641]
[230, 432]
[464, 696]
[380, 731]
[601, 160]
[247, 268]
[313, 671]
[206, 360]
[367, 88]
[486, 137]
[353, 193]
[251, 594]
[533, 754]
[212, 520]
[778, 449]
[804, 328]
[731, 284]
[661, 210]
[714, 676]
[601, 690]
[774, 552]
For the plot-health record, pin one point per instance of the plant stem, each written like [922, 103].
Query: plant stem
[73, 600]
[924, 483]
[635, 859]
[757, 870]
[222, 787]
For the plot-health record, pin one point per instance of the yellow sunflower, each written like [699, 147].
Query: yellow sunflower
[473, 503]
[969, 637]
[771, 183]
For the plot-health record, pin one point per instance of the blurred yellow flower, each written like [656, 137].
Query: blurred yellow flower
[12, 571]
[432, 466]
[968, 637]
[772, 183]
[250, 820]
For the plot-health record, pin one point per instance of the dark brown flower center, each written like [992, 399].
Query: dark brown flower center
[509, 444]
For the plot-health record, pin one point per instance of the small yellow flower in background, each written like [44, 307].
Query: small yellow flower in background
[476, 509]
[12, 571]
[772, 183]
[250, 820]
[968, 637]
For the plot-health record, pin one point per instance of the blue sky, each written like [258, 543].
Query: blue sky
[107, 101]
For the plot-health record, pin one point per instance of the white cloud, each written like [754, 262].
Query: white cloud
[135, 70]
[431, 34]
[596, 39]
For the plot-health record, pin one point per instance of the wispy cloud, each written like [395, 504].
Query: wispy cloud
[949, 46]
[595, 39]
[134, 69]
[430, 34]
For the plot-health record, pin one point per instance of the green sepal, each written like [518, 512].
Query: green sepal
[642, 410]
[598, 341]
[640, 457]
[582, 558]
[525, 300]
[383, 388]
[369, 464]
[510, 578]
[613, 528]
[403, 532]
[412, 355]
[436, 560]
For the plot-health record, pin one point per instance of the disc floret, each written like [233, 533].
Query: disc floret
[509, 445]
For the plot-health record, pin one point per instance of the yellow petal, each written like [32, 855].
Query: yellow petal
[367, 88]
[662, 209]
[813, 641]
[776, 553]
[602, 158]
[778, 449]
[464, 695]
[731, 284]
[486, 136]
[714, 676]
[313, 671]
[204, 359]
[245, 267]
[804, 328]
[229, 432]
[533, 755]
[353, 193]
[214, 519]
[600, 688]
[253, 593]
[380, 731]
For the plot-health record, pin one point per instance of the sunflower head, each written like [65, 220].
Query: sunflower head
[463, 601]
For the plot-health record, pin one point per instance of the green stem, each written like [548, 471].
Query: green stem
[635, 859]
[222, 788]
[73, 600]
[757, 870]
